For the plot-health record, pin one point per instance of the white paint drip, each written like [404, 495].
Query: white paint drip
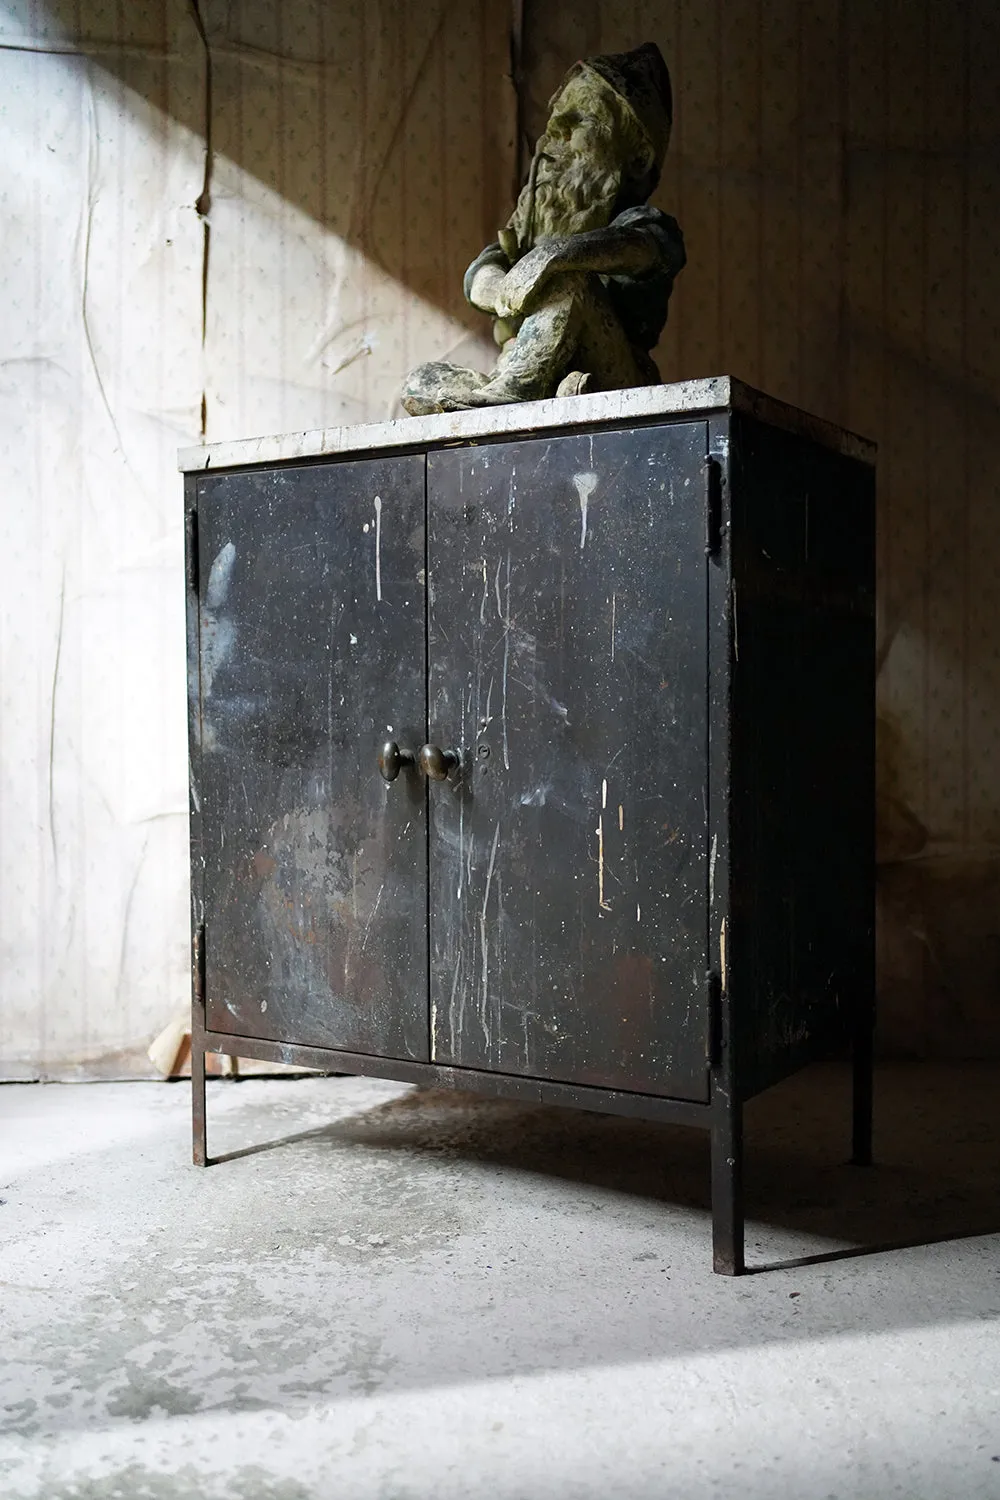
[378, 548]
[604, 906]
[506, 665]
[722, 957]
[466, 710]
[711, 868]
[621, 818]
[585, 487]
[484, 942]
[613, 603]
[486, 586]
[371, 917]
[638, 912]
[456, 1026]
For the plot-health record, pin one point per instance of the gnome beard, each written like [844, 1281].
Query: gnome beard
[566, 193]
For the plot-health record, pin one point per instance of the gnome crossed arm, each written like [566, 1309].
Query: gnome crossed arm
[622, 252]
[638, 243]
[630, 250]
[579, 278]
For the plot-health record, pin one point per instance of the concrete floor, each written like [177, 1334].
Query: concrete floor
[418, 1296]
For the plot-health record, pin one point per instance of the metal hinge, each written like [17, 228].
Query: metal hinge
[191, 550]
[713, 507]
[198, 967]
[714, 1018]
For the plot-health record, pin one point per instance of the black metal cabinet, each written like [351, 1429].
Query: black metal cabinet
[644, 652]
[567, 663]
[314, 880]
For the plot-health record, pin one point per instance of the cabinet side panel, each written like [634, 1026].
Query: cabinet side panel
[312, 654]
[567, 666]
[192, 614]
[803, 740]
[719, 667]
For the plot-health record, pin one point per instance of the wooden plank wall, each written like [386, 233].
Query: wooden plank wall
[835, 167]
[223, 218]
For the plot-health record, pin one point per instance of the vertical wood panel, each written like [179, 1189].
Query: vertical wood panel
[943, 416]
[903, 332]
[834, 166]
[778, 216]
[983, 413]
[739, 197]
[820, 204]
[834, 169]
[101, 303]
[697, 95]
[347, 193]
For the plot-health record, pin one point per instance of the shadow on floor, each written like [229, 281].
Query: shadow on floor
[936, 1176]
[441, 1240]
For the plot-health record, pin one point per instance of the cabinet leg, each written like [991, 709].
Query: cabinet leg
[863, 1066]
[199, 1141]
[727, 1188]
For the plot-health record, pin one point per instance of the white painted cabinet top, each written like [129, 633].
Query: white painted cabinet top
[638, 404]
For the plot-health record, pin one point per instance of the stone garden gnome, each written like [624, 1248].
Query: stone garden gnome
[579, 278]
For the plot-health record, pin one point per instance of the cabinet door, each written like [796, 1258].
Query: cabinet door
[568, 667]
[311, 654]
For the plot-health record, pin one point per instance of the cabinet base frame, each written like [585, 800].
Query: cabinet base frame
[722, 1115]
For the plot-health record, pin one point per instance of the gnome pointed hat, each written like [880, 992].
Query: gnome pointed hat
[642, 80]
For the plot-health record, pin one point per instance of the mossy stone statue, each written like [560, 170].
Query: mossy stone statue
[579, 278]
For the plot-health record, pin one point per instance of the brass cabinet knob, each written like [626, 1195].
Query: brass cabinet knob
[436, 763]
[391, 760]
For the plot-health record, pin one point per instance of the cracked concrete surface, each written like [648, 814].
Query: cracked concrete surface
[413, 1294]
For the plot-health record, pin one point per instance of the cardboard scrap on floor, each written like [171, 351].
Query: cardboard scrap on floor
[170, 1054]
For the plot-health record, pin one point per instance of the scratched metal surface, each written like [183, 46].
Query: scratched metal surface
[567, 663]
[312, 652]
